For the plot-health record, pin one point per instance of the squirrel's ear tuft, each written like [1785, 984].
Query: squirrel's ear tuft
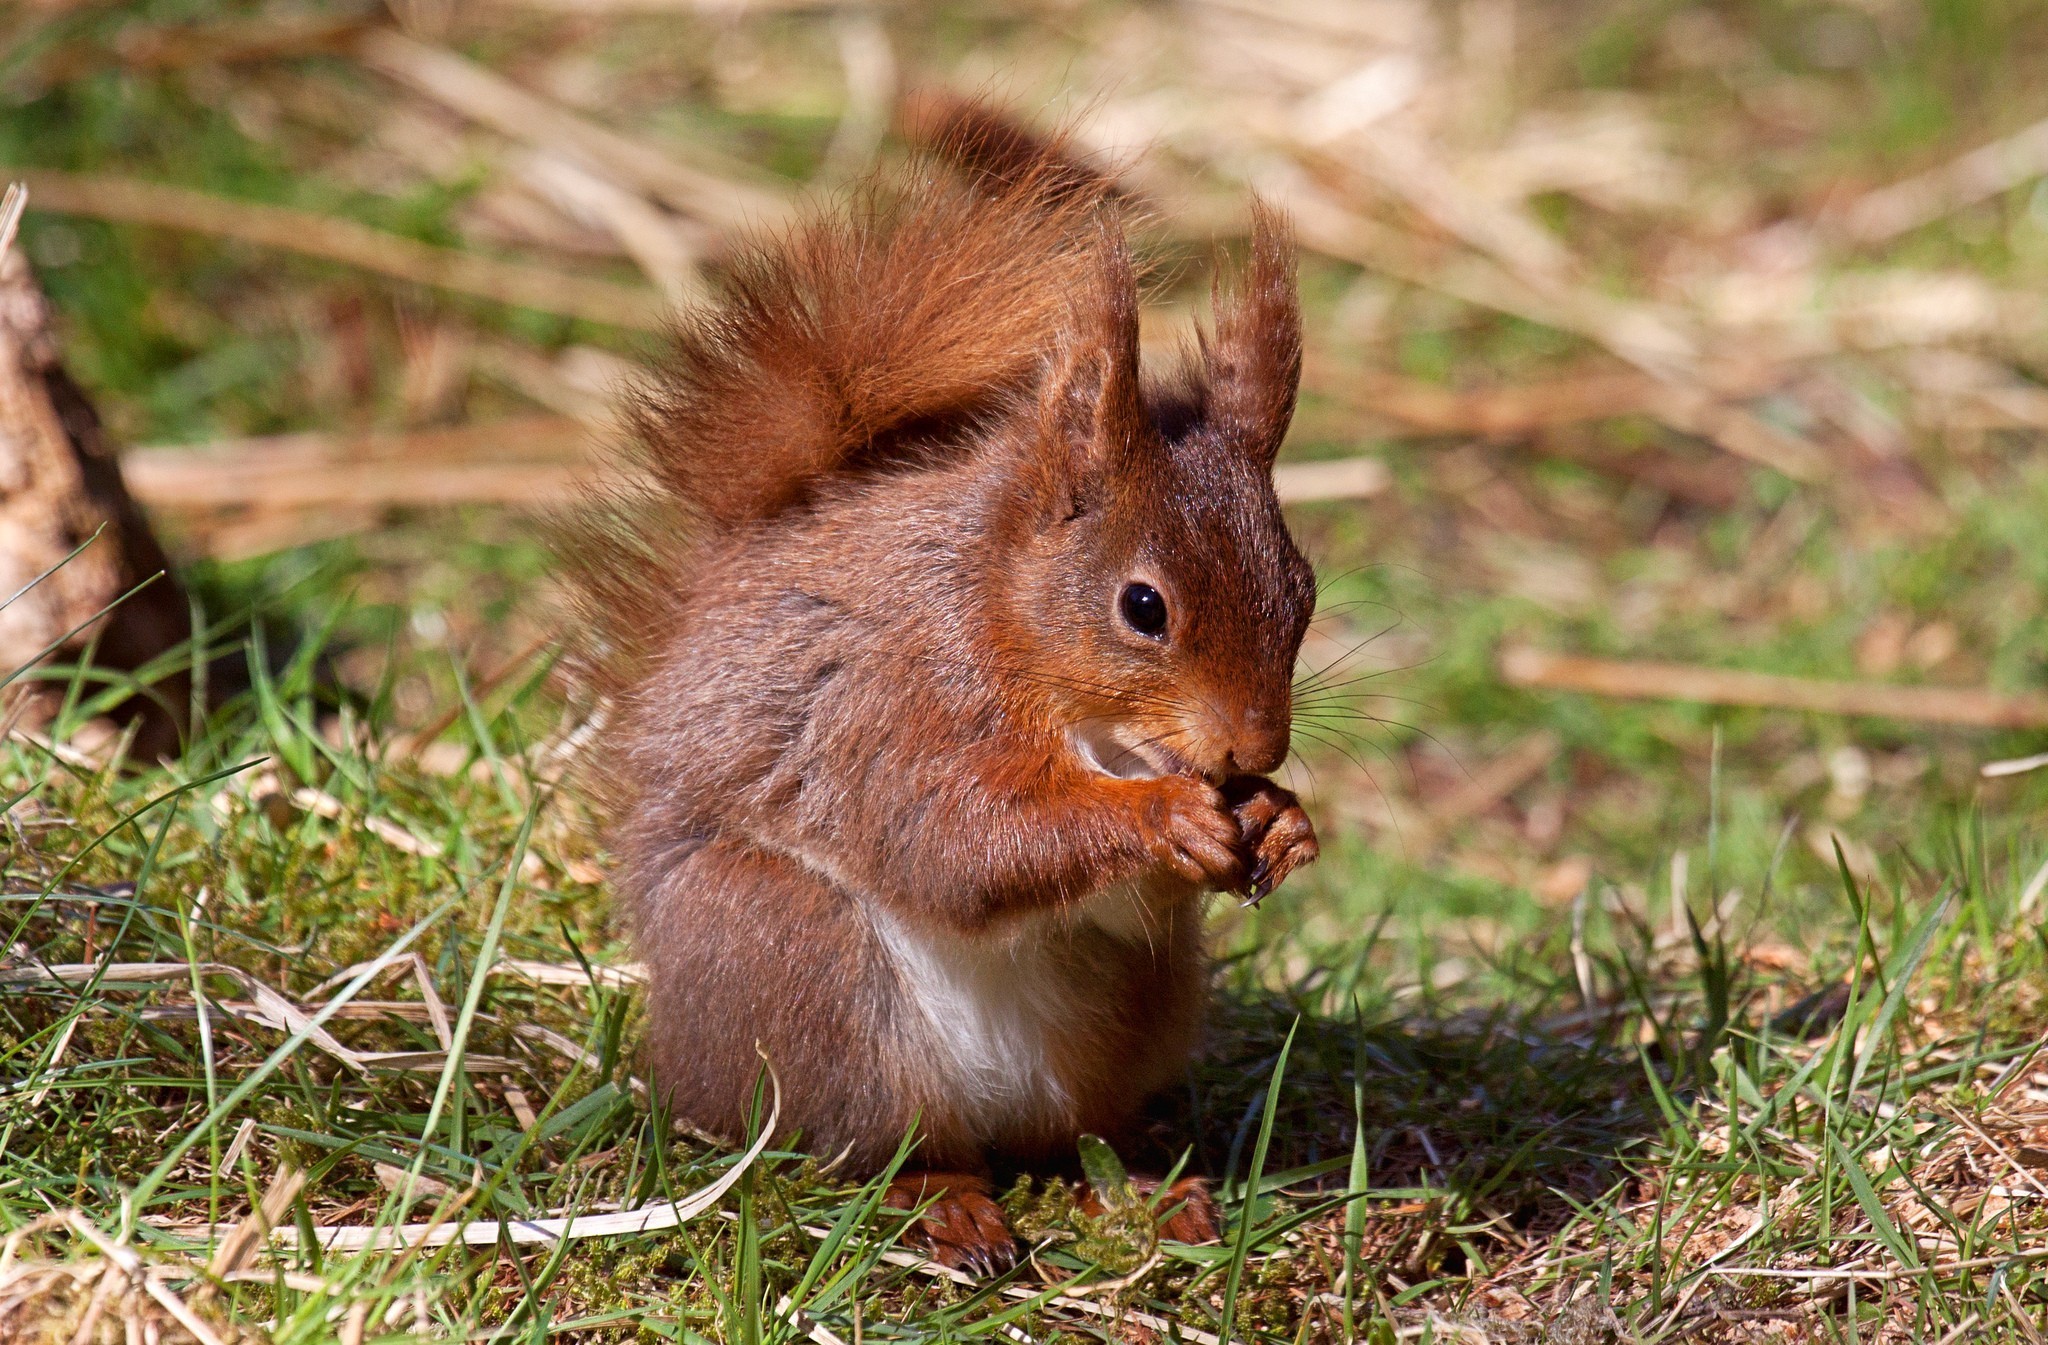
[1089, 408]
[1252, 369]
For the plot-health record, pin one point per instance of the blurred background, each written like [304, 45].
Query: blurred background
[1651, 345]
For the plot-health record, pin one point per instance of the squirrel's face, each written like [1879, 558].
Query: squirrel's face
[1180, 616]
[1163, 601]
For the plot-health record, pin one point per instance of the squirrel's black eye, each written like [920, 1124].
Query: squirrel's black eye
[1143, 609]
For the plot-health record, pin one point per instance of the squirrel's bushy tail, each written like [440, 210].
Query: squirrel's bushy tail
[852, 339]
[916, 302]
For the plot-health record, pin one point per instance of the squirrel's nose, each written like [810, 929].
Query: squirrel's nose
[1260, 743]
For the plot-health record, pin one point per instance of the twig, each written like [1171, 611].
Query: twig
[1526, 667]
[161, 205]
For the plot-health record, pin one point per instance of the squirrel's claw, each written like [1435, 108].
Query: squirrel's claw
[1259, 888]
[1273, 831]
[962, 1227]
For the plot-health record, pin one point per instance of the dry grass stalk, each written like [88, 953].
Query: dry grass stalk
[726, 8]
[1522, 762]
[1987, 171]
[582, 383]
[648, 235]
[872, 77]
[265, 1006]
[112, 1298]
[468, 465]
[394, 484]
[1508, 412]
[523, 461]
[12, 208]
[1407, 168]
[1992, 770]
[1527, 413]
[176, 46]
[1636, 333]
[492, 100]
[615, 976]
[1970, 706]
[1339, 479]
[246, 1237]
[160, 205]
[444, 1229]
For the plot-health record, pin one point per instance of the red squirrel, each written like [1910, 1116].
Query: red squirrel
[947, 659]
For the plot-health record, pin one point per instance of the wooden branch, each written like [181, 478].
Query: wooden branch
[60, 491]
[129, 201]
[1971, 706]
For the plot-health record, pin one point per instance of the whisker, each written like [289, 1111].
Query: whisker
[1379, 634]
[1345, 751]
[1311, 684]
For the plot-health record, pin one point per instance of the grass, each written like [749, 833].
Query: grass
[1718, 1025]
[1509, 1160]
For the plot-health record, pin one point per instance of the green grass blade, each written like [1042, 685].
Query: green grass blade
[1241, 1245]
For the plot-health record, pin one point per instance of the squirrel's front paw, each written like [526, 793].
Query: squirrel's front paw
[1275, 835]
[1194, 834]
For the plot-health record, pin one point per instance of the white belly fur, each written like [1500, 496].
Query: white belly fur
[992, 1005]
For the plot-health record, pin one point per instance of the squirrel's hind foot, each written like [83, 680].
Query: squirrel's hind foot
[1188, 1213]
[1185, 1210]
[962, 1227]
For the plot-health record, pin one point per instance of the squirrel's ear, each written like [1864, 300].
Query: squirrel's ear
[1252, 370]
[1089, 408]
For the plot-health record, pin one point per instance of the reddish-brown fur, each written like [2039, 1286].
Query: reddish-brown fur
[869, 681]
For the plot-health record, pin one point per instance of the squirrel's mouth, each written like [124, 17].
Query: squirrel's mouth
[1117, 749]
